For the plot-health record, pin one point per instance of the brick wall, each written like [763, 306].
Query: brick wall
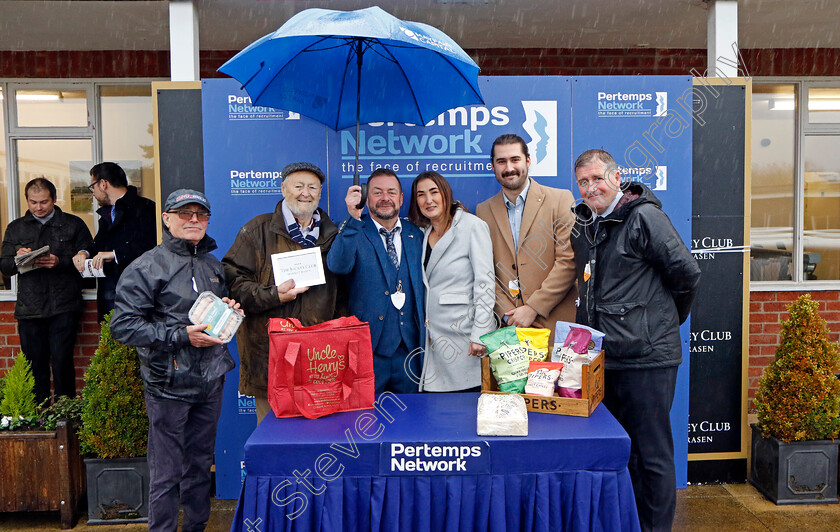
[493, 62]
[767, 311]
[86, 341]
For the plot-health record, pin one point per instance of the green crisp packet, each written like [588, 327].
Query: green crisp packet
[508, 359]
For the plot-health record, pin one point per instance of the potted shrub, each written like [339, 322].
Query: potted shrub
[39, 449]
[794, 455]
[115, 430]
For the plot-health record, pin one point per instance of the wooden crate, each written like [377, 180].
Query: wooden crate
[592, 388]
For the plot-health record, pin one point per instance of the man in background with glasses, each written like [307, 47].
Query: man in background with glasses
[182, 367]
[49, 291]
[296, 223]
[126, 230]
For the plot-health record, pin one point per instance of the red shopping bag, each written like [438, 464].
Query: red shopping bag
[317, 370]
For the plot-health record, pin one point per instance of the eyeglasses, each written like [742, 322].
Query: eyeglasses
[201, 216]
[90, 187]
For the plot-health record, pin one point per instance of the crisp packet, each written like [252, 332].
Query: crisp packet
[563, 328]
[508, 359]
[574, 346]
[536, 340]
[541, 378]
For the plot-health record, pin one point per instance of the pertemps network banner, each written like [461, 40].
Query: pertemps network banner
[456, 144]
[645, 124]
[245, 148]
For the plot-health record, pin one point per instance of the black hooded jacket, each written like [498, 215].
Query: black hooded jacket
[642, 284]
[154, 296]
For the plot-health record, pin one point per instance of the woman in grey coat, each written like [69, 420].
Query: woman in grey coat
[458, 274]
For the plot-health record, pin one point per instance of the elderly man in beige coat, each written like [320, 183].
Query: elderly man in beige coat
[535, 273]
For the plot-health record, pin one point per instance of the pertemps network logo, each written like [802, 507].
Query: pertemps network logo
[246, 404]
[656, 177]
[541, 125]
[241, 108]
[426, 40]
[632, 104]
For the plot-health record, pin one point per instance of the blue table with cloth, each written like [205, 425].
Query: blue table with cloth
[338, 472]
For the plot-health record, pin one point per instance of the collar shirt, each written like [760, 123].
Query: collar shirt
[46, 218]
[397, 229]
[514, 211]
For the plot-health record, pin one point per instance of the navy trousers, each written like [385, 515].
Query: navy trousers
[641, 401]
[48, 343]
[182, 437]
[398, 372]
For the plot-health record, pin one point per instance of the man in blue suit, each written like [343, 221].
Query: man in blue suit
[380, 255]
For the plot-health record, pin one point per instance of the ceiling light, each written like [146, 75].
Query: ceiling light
[43, 97]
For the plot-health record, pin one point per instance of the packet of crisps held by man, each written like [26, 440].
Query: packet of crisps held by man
[508, 359]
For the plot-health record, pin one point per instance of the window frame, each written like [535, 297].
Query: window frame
[14, 133]
[802, 128]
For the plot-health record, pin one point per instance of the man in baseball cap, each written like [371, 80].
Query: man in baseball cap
[296, 223]
[182, 367]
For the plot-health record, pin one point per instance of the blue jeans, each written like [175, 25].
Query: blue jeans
[182, 437]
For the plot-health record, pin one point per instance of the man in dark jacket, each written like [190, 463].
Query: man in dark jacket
[126, 230]
[49, 298]
[637, 280]
[296, 223]
[182, 367]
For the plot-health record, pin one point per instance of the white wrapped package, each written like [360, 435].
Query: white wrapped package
[502, 415]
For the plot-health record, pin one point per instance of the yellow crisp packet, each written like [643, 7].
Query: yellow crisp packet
[536, 340]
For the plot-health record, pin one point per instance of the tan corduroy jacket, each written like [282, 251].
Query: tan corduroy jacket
[544, 263]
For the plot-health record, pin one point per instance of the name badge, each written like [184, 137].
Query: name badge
[398, 297]
[513, 288]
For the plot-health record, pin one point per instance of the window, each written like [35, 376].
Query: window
[5, 283]
[58, 130]
[795, 236]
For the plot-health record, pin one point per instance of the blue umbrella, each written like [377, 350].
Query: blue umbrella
[345, 67]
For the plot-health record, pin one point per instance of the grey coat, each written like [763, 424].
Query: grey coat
[459, 303]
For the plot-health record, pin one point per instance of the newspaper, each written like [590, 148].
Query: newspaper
[26, 263]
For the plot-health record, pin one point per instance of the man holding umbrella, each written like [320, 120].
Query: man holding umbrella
[380, 254]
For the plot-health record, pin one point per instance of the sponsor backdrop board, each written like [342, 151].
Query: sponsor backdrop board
[717, 430]
[457, 143]
[245, 148]
[644, 122]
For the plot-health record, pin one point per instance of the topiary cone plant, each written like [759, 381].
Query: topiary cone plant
[114, 422]
[798, 397]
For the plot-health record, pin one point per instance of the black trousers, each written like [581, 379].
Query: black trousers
[182, 438]
[641, 401]
[49, 343]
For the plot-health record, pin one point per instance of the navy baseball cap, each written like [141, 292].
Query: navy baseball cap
[185, 196]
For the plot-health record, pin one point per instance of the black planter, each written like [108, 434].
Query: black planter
[118, 490]
[800, 472]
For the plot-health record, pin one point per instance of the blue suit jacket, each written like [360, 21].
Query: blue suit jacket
[358, 253]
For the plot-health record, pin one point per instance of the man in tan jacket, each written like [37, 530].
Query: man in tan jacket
[535, 272]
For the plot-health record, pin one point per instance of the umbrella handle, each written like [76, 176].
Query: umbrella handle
[363, 201]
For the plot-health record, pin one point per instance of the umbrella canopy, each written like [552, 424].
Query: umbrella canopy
[342, 67]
